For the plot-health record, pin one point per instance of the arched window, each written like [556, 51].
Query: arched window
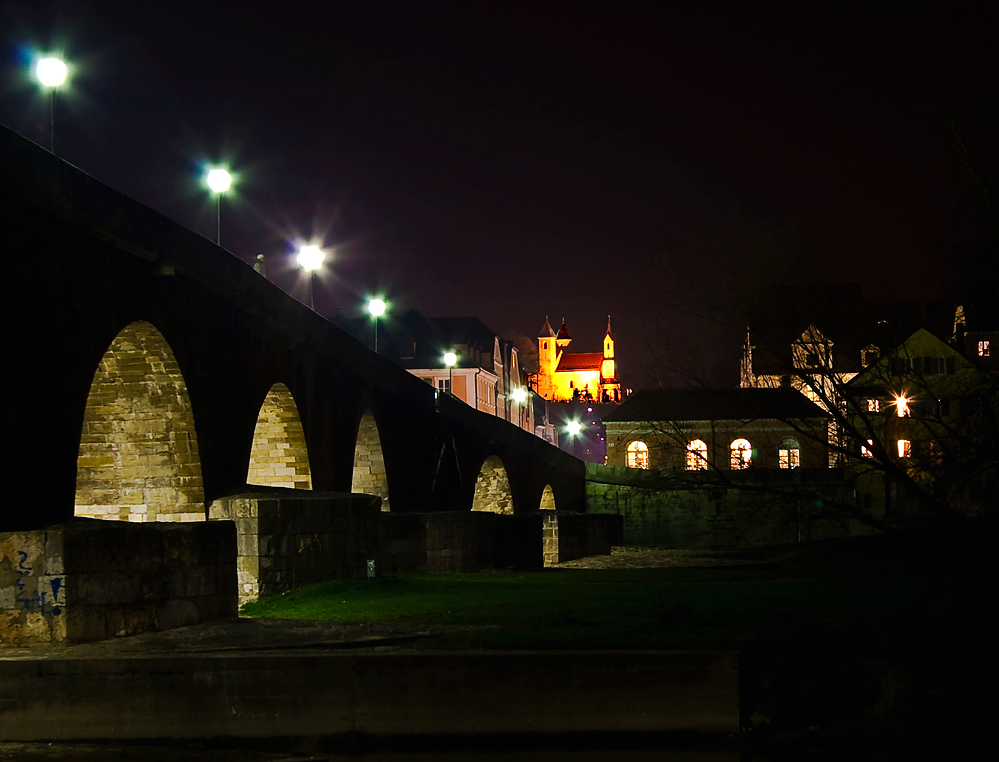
[742, 454]
[789, 453]
[697, 455]
[638, 455]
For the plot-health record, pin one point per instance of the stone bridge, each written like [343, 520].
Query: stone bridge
[151, 373]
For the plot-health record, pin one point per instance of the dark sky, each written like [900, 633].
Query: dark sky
[513, 160]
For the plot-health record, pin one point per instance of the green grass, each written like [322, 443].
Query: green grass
[649, 608]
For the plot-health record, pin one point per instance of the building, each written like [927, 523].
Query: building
[925, 421]
[565, 376]
[487, 371]
[723, 429]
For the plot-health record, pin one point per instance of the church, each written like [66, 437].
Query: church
[575, 376]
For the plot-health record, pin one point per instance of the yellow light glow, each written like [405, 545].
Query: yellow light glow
[218, 180]
[376, 307]
[450, 359]
[51, 72]
[904, 448]
[519, 395]
[310, 258]
[902, 406]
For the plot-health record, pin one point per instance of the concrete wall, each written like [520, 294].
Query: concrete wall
[291, 538]
[383, 694]
[91, 579]
[697, 511]
[470, 542]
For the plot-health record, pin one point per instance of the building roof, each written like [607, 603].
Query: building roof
[546, 330]
[563, 332]
[579, 361]
[715, 405]
[466, 330]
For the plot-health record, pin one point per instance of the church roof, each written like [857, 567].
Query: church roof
[715, 405]
[563, 332]
[609, 332]
[546, 330]
[580, 361]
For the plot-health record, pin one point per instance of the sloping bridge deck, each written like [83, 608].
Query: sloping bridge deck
[114, 301]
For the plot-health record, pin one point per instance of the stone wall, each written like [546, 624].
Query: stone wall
[279, 456]
[660, 510]
[568, 536]
[492, 488]
[470, 542]
[404, 538]
[138, 458]
[90, 580]
[290, 538]
[369, 474]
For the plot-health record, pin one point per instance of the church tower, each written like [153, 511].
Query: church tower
[547, 360]
[607, 370]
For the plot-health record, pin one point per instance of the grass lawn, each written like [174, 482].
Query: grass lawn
[861, 586]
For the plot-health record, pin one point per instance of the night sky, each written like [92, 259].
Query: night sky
[510, 160]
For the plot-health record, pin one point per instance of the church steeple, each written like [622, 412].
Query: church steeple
[563, 337]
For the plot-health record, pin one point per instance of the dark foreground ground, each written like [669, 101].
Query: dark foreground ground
[876, 648]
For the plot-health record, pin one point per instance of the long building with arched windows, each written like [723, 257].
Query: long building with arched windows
[725, 429]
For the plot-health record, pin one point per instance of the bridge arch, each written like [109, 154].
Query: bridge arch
[547, 499]
[138, 459]
[279, 456]
[370, 475]
[492, 488]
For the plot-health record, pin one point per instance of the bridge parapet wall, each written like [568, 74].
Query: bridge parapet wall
[92, 579]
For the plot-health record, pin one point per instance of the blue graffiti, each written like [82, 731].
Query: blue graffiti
[36, 601]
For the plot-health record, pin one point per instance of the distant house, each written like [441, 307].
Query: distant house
[725, 429]
[487, 371]
[931, 412]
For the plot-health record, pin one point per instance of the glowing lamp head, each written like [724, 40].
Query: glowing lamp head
[218, 180]
[450, 359]
[51, 72]
[573, 428]
[310, 258]
[519, 395]
[376, 307]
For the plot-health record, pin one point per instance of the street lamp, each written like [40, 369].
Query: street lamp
[218, 181]
[376, 308]
[51, 73]
[572, 428]
[520, 397]
[450, 360]
[310, 258]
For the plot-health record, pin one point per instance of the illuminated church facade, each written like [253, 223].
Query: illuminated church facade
[575, 376]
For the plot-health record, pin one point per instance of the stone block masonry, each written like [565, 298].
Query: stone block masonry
[90, 580]
[759, 507]
[470, 542]
[291, 538]
[568, 536]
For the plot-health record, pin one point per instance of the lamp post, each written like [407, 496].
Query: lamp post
[218, 181]
[51, 73]
[572, 428]
[450, 360]
[310, 258]
[376, 308]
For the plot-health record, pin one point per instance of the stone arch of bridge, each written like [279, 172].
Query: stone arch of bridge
[370, 476]
[138, 459]
[279, 456]
[547, 499]
[492, 488]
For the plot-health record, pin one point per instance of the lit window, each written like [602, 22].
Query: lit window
[904, 448]
[697, 455]
[873, 406]
[742, 454]
[638, 455]
[983, 348]
[444, 385]
[865, 452]
[902, 406]
[869, 356]
[789, 453]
